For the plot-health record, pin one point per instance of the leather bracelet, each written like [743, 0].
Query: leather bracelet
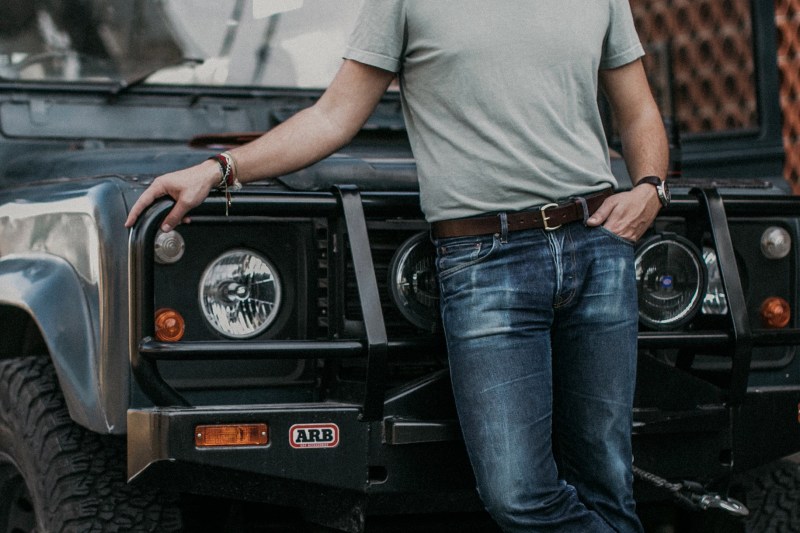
[227, 181]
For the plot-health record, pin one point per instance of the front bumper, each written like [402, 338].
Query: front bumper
[394, 465]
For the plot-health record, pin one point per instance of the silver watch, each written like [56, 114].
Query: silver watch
[662, 189]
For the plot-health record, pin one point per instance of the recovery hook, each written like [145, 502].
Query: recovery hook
[693, 495]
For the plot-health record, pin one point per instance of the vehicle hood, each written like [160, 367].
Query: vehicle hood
[374, 170]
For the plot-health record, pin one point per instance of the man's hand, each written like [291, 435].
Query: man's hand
[628, 214]
[188, 187]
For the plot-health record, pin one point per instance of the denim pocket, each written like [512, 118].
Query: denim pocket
[616, 237]
[458, 253]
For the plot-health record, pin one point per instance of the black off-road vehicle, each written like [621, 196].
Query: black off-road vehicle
[285, 355]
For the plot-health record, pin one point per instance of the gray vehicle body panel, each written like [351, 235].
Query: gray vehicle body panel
[63, 259]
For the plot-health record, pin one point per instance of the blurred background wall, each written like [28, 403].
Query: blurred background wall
[787, 14]
[705, 48]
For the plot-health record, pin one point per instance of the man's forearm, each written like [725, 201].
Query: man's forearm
[304, 139]
[645, 147]
[644, 140]
[318, 131]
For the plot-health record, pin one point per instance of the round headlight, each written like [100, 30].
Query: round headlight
[671, 280]
[240, 294]
[412, 281]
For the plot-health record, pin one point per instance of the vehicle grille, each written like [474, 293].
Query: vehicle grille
[385, 239]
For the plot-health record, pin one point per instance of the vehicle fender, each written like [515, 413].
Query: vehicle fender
[51, 292]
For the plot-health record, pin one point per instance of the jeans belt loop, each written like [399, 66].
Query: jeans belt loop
[582, 201]
[503, 227]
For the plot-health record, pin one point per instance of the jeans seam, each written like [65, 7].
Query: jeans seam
[566, 299]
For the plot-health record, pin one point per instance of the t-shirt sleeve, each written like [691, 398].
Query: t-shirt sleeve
[622, 44]
[379, 36]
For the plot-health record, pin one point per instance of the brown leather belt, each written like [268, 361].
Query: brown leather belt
[548, 217]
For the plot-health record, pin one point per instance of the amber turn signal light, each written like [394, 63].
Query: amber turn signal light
[170, 325]
[775, 313]
[231, 435]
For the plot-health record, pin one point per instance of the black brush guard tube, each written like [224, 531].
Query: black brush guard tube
[347, 206]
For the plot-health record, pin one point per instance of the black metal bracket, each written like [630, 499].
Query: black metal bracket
[349, 200]
[742, 339]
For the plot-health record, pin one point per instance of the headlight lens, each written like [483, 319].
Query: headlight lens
[671, 280]
[412, 281]
[240, 294]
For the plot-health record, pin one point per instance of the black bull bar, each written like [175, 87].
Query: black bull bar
[349, 208]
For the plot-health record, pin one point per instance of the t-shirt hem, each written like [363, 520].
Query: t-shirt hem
[373, 59]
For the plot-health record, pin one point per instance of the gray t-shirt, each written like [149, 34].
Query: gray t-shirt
[500, 97]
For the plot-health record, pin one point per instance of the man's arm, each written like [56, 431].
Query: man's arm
[644, 147]
[307, 137]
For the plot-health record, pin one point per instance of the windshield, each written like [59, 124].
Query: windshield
[276, 43]
[699, 54]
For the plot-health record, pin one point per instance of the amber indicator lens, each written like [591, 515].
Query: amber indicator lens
[775, 313]
[170, 325]
[231, 435]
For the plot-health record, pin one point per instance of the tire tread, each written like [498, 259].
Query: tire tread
[773, 497]
[77, 478]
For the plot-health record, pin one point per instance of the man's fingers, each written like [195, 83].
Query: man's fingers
[602, 213]
[176, 215]
[625, 214]
[147, 198]
[131, 220]
[170, 222]
[183, 186]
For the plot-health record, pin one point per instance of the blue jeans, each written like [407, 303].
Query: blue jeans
[541, 332]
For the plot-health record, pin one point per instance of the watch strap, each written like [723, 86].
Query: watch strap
[652, 180]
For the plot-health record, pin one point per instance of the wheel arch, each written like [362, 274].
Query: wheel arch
[45, 310]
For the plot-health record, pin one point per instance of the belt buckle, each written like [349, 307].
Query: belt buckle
[545, 218]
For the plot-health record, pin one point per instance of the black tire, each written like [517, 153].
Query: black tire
[772, 495]
[56, 476]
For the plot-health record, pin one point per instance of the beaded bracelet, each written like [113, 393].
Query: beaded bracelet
[228, 180]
